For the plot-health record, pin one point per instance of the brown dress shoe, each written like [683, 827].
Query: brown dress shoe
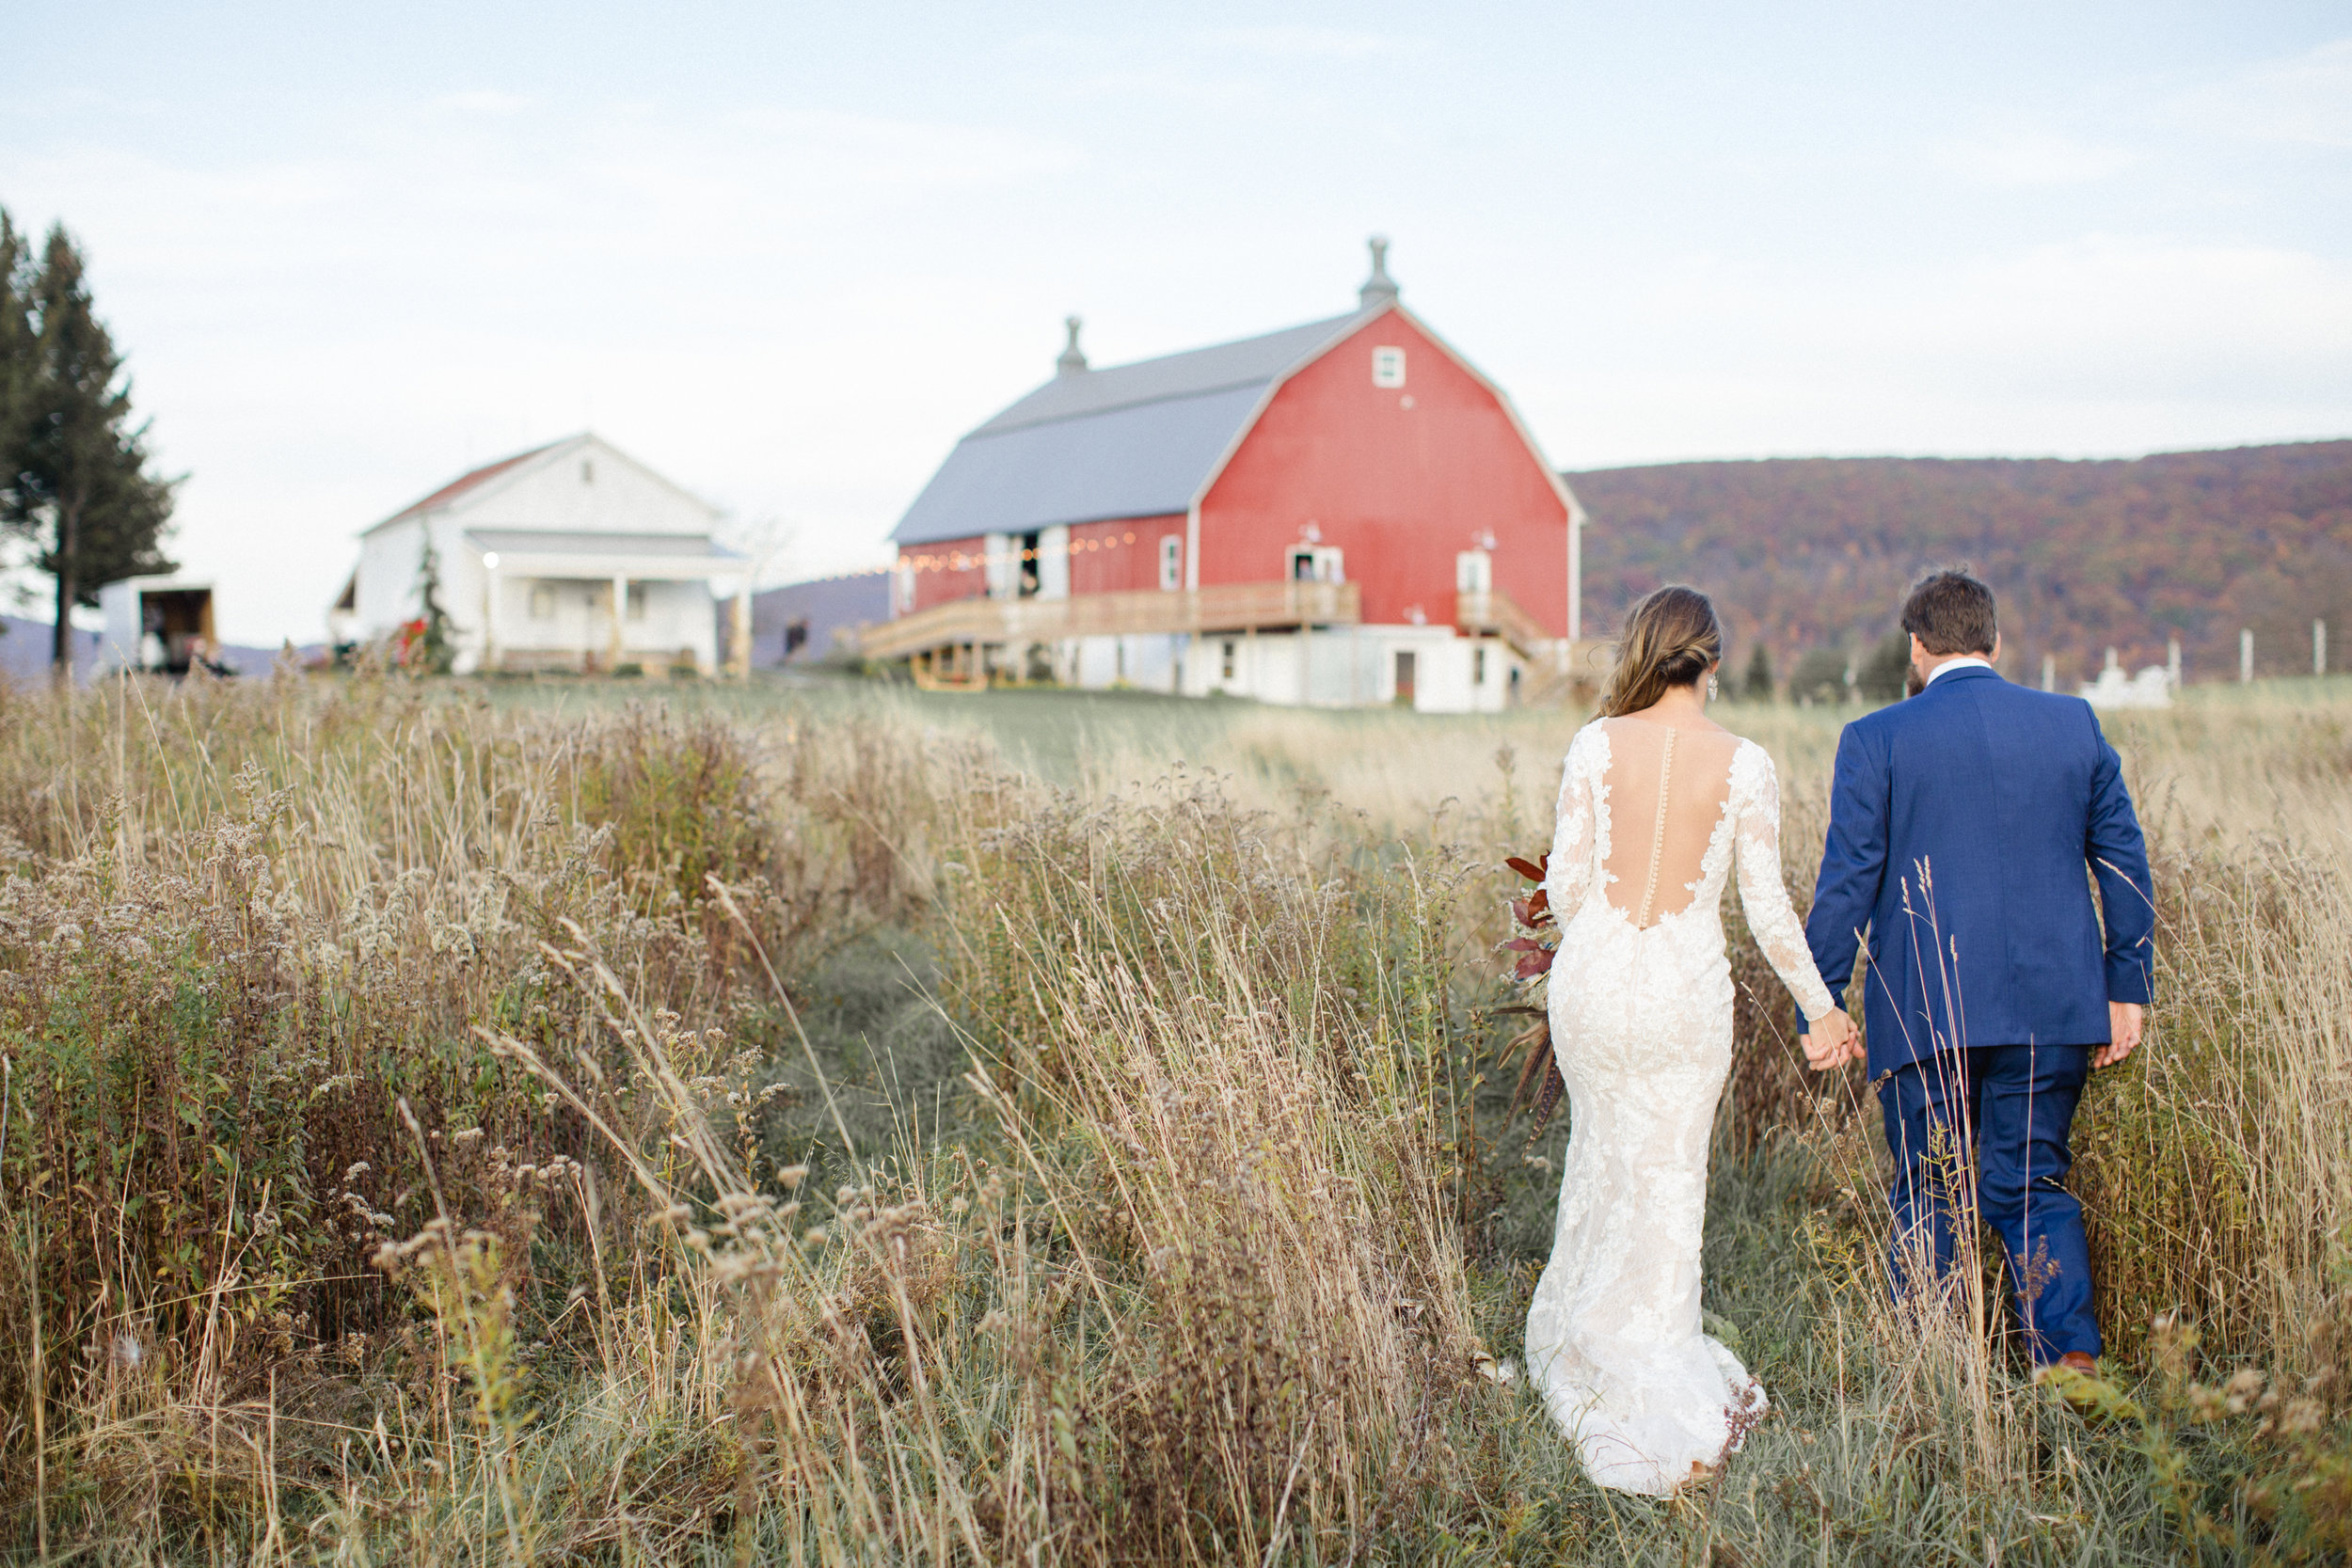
[2073, 1361]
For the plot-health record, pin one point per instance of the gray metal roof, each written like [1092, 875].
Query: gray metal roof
[1127, 441]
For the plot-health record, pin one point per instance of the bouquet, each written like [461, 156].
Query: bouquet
[1540, 1084]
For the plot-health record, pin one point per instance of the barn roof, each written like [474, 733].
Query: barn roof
[1126, 441]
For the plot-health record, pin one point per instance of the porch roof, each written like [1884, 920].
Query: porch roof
[553, 553]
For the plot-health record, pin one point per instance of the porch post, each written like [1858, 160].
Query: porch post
[489, 617]
[740, 651]
[620, 609]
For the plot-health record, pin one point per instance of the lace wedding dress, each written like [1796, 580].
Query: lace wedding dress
[1641, 1025]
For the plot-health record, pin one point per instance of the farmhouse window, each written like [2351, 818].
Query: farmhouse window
[636, 601]
[1388, 367]
[542, 601]
[1171, 561]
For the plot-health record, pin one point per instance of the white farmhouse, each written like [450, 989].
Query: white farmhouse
[572, 556]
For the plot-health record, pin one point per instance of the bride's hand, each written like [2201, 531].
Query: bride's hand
[1829, 1041]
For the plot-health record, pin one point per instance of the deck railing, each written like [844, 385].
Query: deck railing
[1491, 613]
[1227, 607]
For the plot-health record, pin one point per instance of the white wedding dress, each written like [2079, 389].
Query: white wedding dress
[1640, 1006]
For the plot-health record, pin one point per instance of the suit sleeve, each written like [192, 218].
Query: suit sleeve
[2118, 862]
[1853, 859]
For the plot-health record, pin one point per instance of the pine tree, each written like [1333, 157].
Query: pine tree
[1756, 685]
[78, 482]
[17, 348]
[1881, 678]
[432, 650]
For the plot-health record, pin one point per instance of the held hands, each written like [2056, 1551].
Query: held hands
[1831, 1040]
[2123, 1023]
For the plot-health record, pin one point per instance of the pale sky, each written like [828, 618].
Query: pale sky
[787, 253]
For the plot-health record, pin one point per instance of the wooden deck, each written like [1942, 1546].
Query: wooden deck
[1232, 607]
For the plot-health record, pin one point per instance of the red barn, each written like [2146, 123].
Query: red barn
[1342, 512]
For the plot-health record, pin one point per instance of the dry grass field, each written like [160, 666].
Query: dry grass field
[455, 1124]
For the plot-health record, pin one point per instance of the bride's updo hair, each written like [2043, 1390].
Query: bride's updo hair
[1671, 639]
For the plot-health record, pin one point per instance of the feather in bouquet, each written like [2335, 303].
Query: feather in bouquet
[1536, 942]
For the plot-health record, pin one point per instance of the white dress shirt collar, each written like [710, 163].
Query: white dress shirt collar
[1966, 661]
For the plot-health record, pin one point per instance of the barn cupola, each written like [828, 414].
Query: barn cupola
[1073, 358]
[1379, 289]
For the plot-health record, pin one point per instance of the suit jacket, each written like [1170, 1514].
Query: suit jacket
[1966, 825]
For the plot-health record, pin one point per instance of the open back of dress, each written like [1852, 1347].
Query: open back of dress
[1667, 789]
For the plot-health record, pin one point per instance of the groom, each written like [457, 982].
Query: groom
[1966, 825]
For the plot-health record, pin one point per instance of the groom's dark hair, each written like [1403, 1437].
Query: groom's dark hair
[1951, 612]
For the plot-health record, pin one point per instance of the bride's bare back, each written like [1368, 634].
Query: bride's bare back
[1666, 787]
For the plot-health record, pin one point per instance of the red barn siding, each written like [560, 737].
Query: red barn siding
[950, 570]
[1119, 557]
[1399, 489]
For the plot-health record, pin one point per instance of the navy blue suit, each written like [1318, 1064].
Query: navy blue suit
[1966, 827]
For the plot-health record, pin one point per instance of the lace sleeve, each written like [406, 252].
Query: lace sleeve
[1569, 877]
[1762, 894]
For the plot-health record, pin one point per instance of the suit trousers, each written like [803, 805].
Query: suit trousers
[2001, 1115]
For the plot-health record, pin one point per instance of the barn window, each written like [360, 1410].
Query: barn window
[1232, 650]
[1316, 563]
[1388, 367]
[1031, 566]
[1171, 561]
[542, 601]
[1478, 667]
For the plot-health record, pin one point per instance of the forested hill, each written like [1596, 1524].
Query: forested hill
[2084, 555]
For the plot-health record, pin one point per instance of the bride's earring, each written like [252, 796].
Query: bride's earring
[1713, 690]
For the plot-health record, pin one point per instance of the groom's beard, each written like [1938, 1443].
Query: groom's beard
[1912, 684]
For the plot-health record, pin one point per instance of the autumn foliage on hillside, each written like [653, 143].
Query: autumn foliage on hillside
[2085, 555]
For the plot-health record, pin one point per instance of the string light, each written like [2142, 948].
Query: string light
[960, 560]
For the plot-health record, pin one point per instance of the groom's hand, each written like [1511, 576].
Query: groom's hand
[1830, 1043]
[2124, 1025]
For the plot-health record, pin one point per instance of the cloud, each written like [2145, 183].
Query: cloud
[2024, 157]
[2095, 346]
[2307, 99]
[865, 149]
[1327, 42]
[484, 102]
[1219, 68]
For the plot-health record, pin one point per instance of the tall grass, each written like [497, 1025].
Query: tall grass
[446, 1130]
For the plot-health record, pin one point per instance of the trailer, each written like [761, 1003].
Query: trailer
[158, 624]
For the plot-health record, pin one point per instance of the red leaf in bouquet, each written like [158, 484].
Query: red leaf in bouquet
[1523, 911]
[1539, 906]
[1534, 958]
[1532, 870]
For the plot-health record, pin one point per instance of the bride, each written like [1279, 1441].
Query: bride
[1657, 805]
